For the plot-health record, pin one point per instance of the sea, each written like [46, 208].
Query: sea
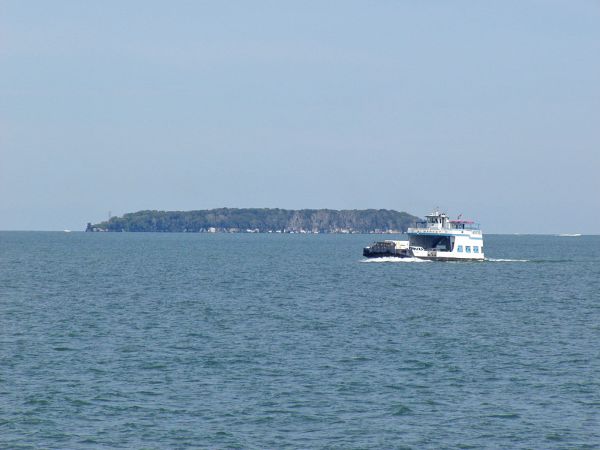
[268, 341]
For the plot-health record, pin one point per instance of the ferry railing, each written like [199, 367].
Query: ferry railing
[442, 230]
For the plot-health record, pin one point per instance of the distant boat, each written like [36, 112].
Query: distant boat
[569, 234]
[67, 231]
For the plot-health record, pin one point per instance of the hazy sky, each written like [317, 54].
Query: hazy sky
[490, 109]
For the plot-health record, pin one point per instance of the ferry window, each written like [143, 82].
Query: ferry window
[475, 249]
[468, 249]
[459, 248]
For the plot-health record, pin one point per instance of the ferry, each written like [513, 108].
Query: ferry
[437, 238]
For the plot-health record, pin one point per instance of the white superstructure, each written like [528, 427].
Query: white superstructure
[440, 238]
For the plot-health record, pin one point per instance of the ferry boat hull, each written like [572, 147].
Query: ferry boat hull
[436, 239]
[368, 253]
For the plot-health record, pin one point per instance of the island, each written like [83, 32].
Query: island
[260, 220]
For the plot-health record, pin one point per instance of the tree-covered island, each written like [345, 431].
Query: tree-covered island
[261, 220]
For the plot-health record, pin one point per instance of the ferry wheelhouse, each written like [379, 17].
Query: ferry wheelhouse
[436, 238]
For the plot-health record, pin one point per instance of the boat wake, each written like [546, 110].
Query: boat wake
[506, 260]
[393, 259]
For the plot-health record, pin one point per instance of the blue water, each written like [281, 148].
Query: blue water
[290, 341]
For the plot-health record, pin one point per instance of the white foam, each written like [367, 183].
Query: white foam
[569, 235]
[393, 259]
[506, 260]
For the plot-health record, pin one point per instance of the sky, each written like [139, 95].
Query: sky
[486, 109]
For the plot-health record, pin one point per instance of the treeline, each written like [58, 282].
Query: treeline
[264, 220]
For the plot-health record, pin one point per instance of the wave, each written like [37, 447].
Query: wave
[393, 259]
